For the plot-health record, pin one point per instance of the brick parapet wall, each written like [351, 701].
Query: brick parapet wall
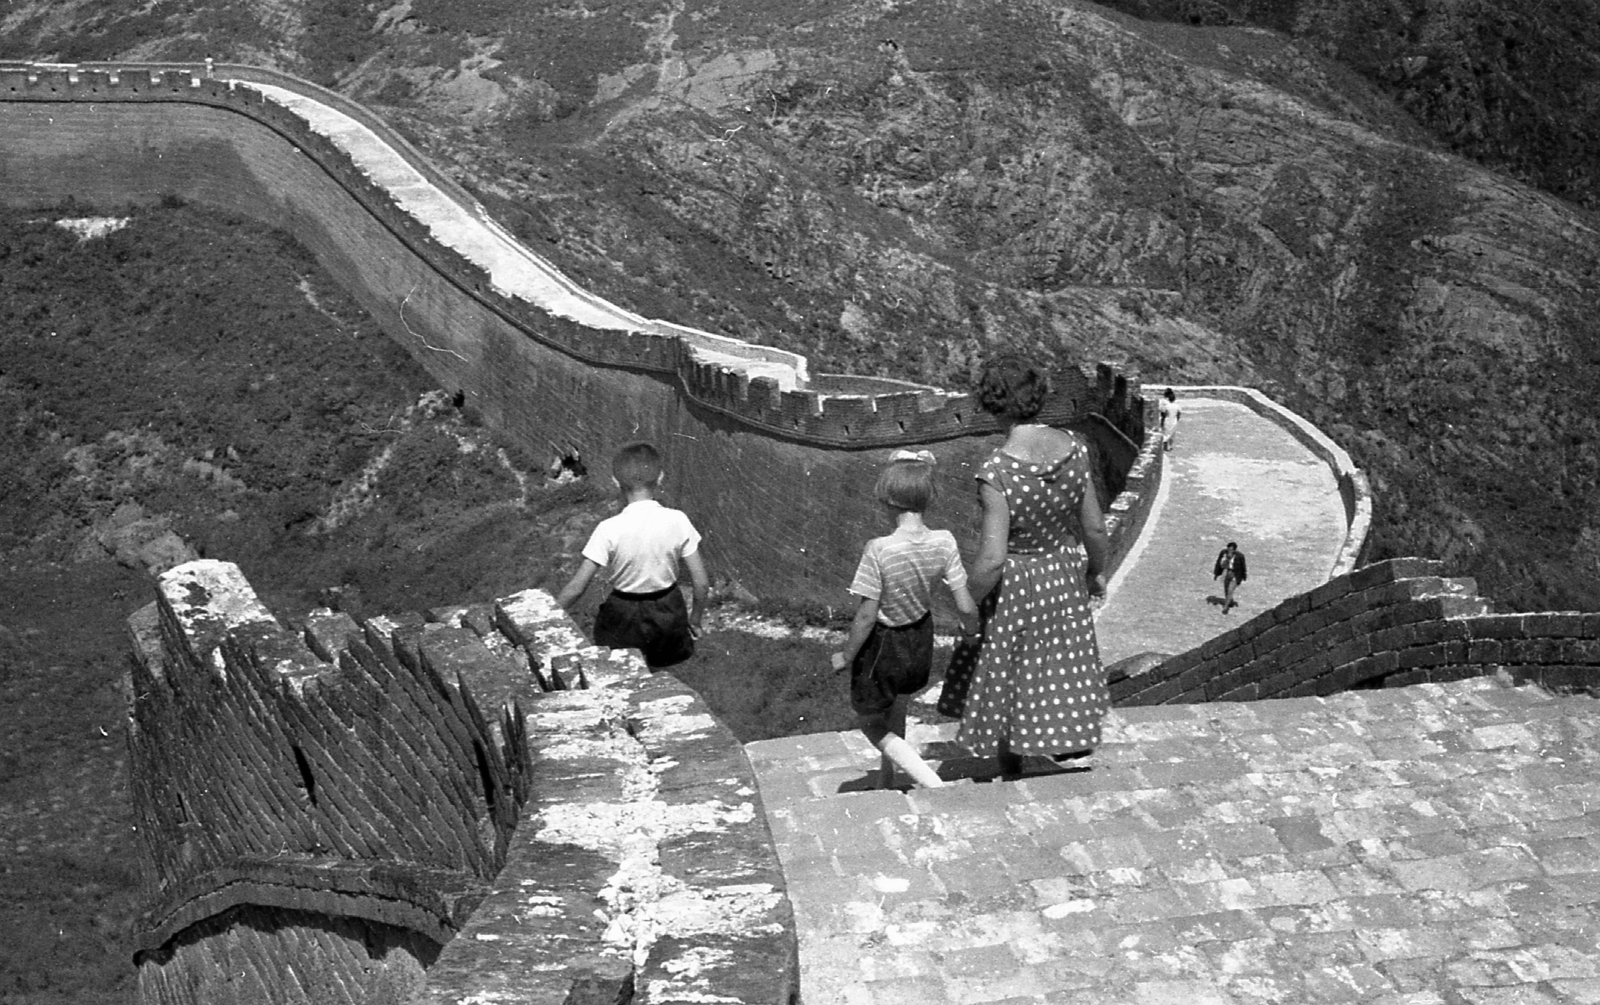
[260, 773]
[779, 481]
[455, 793]
[1354, 490]
[841, 411]
[1385, 625]
[639, 787]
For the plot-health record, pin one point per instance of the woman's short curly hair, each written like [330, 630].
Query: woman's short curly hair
[1012, 388]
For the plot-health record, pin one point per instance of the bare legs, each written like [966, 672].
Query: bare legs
[1228, 583]
[887, 733]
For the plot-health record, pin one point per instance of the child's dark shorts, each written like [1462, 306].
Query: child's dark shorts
[656, 623]
[892, 662]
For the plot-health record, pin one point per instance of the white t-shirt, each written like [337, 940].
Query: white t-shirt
[640, 547]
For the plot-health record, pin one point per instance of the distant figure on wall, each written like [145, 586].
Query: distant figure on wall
[640, 549]
[890, 646]
[1230, 566]
[1033, 683]
[1171, 412]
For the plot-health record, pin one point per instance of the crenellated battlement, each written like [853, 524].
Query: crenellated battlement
[543, 360]
[477, 793]
[717, 372]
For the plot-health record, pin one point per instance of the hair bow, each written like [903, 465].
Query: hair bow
[925, 456]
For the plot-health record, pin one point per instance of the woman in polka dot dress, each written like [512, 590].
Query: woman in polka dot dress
[1036, 685]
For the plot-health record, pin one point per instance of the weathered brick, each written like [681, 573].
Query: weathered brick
[1278, 684]
[1380, 664]
[1406, 677]
[1328, 592]
[1555, 625]
[1291, 608]
[1585, 651]
[1461, 607]
[1305, 689]
[1273, 636]
[1496, 626]
[1443, 630]
[1484, 651]
[1446, 672]
[1234, 658]
[1349, 652]
[1243, 692]
[1533, 650]
[1159, 693]
[1296, 653]
[1431, 655]
[1214, 647]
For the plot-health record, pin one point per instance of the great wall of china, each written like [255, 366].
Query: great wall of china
[471, 805]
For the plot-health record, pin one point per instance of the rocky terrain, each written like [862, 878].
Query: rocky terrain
[174, 383]
[1331, 199]
[1384, 214]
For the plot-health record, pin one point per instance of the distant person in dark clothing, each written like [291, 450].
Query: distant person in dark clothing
[1230, 566]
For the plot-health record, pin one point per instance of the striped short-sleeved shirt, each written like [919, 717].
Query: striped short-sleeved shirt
[898, 571]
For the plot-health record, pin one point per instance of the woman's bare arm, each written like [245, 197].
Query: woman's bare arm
[991, 543]
[1095, 541]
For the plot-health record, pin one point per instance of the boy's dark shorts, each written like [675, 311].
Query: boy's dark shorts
[656, 623]
[892, 662]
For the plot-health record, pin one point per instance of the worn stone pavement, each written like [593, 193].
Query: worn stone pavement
[1432, 845]
[1232, 475]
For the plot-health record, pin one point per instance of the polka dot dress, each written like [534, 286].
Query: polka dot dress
[1037, 680]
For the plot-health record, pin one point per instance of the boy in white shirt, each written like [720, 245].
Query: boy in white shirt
[640, 549]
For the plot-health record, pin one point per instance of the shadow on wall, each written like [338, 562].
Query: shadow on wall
[772, 474]
[337, 808]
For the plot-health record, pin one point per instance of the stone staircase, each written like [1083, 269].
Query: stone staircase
[1423, 845]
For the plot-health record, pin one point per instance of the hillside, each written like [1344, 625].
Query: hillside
[901, 188]
[150, 412]
[1512, 85]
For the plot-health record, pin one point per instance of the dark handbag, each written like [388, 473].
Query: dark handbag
[958, 677]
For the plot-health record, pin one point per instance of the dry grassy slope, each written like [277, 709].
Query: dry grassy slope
[900, 187]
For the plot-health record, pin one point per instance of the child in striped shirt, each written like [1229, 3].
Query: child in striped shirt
[890, 646]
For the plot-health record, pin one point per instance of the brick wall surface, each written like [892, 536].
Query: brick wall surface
[1388, 624]
[778, 481]
[431, 808]
[263, 777]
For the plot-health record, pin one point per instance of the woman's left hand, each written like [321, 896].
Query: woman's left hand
[1097, 585]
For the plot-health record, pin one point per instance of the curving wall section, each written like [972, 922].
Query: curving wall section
[775, 464]
[1388, 624]
[1354, 490]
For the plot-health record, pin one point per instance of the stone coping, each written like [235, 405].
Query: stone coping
[1354, 489]
[618, 849]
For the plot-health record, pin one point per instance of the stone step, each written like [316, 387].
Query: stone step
[1369, 846]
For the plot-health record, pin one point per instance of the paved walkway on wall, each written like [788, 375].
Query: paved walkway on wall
[1233, 475]
[1417, 846]
[511, 266]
